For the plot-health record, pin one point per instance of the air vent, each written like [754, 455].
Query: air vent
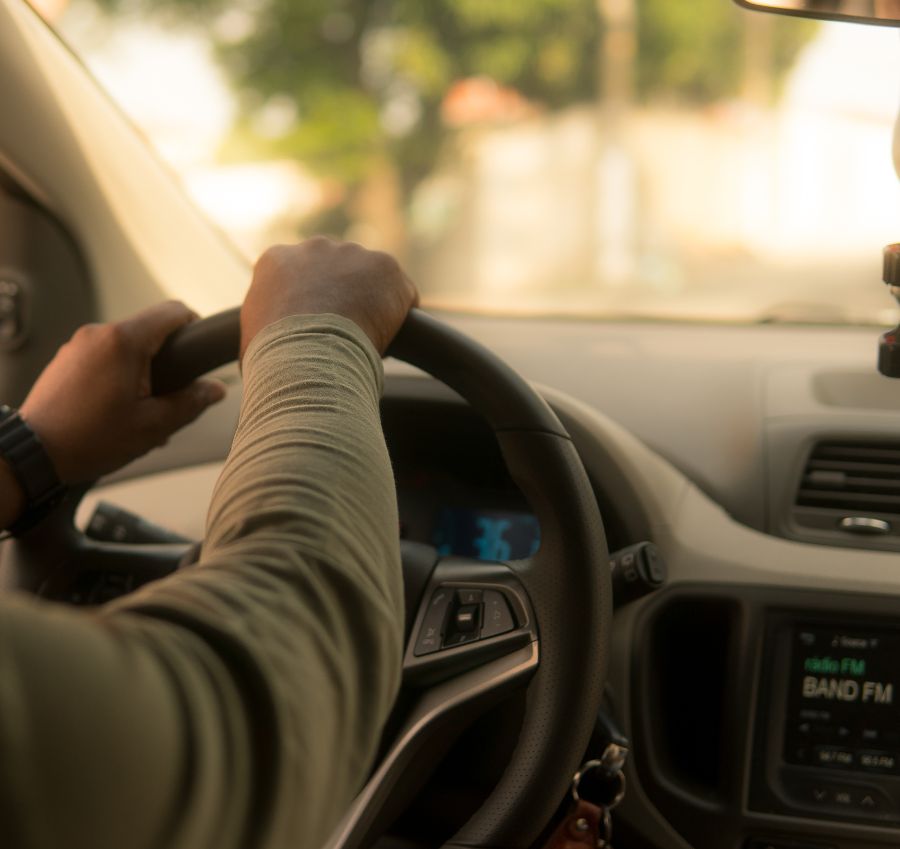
[855, 478]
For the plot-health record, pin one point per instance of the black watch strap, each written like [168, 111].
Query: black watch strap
[32, 468]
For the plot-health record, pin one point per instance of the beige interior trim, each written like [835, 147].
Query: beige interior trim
[76, 151]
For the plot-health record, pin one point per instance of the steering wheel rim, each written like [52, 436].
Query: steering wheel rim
[567, 582]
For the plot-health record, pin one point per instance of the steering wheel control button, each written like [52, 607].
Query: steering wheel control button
[498, 618]
[466, 619]
[431, 633]
[457, 638]
[469, 596]
[459, 615]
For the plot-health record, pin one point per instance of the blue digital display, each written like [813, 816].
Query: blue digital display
[486, 534]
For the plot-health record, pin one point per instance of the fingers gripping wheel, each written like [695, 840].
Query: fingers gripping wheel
[567, 581]
[195, 350]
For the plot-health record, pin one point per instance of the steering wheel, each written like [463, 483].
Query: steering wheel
[478, 629]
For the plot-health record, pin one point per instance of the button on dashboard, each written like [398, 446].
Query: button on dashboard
[870, 735]
[801, 754]
[834, 756]
[873, 761]
[868, 802]
[850, 799]
[820, 795]
[844, 798]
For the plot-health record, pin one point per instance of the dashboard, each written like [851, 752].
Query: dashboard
[759, 687]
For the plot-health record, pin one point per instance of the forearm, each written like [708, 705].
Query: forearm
[300, 567]
[309, 457]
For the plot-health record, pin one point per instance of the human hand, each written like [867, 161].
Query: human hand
[323, 276]
[92, 407]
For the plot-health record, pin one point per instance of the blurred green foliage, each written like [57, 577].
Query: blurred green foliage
[696, 51]
[367, 77]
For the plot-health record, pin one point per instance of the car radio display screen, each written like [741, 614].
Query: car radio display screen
[844, 699]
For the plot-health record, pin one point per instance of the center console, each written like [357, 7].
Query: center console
[766, 717]
[828, 741]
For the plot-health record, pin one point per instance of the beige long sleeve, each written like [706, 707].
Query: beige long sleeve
[239, 702]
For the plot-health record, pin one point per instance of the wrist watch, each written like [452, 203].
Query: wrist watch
[32, 468]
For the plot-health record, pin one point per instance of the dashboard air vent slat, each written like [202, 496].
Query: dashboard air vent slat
[880, 469]
[868, 453]
[853, 478]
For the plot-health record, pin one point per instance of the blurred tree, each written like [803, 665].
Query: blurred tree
[340, 84]
[693, 51]
[368, 77]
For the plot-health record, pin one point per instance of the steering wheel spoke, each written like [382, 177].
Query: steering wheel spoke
[473, 639]
[470, 613]
[449, 686]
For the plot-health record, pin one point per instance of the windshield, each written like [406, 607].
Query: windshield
[615, 158]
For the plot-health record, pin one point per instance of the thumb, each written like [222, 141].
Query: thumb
[177, 409]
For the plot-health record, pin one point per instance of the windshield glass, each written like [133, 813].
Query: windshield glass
[616, 158]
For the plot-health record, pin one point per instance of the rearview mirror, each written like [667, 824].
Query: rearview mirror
[884, 12]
